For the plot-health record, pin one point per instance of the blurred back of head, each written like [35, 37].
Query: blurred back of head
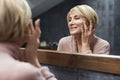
[15, 16]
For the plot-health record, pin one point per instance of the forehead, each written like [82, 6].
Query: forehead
[75, 11]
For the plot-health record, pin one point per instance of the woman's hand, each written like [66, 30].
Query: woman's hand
[86, 36]
[33, 42]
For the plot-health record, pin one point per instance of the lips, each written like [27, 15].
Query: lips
[73, 28]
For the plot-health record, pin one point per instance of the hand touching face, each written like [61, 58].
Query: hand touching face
[86, 37]
[33, 36]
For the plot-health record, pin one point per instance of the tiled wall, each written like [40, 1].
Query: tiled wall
[65, 73]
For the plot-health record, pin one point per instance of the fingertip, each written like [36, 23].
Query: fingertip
[38, 20]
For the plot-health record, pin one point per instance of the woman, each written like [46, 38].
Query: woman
[82, 21]
[16, 28]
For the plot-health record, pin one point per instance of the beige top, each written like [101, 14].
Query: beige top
[98, 46]
[12, 68]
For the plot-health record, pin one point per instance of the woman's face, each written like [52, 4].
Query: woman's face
[75, 22]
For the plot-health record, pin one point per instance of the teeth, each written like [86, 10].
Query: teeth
[73, 29]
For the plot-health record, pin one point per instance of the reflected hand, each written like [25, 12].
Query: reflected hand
[86, 36]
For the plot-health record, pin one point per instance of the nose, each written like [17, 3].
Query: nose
[71, 22]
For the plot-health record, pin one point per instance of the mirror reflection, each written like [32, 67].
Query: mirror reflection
[54, 25]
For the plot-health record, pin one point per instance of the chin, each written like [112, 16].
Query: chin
[74, 33]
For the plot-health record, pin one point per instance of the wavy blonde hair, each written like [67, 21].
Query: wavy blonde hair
[15, 16]
[87, 12]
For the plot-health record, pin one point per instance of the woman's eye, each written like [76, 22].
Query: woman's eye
[77, 17]
[69, 20]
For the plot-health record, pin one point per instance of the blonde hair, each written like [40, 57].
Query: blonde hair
[87, 12]
[14, 19]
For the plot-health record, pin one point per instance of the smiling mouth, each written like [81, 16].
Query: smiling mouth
[74, 28]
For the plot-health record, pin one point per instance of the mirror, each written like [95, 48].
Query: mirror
[54, 23]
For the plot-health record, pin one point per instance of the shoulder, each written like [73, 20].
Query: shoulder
[64, 43]
[26, 71]
[102, 41]
[101, 46]
[65, 39]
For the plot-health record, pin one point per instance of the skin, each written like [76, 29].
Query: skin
[82, 30]
[32, 35]
[33, 43]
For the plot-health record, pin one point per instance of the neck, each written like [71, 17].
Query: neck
[11, 49]
[77, 38]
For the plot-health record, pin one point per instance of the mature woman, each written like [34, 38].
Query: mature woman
[82, 21]
[16, 28]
